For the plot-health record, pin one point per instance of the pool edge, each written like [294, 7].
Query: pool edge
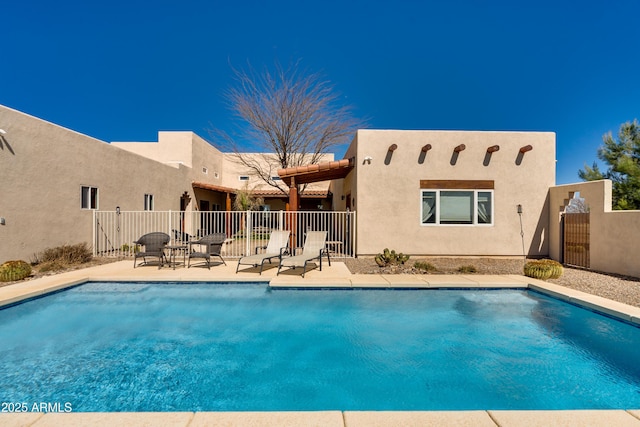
[489, 418]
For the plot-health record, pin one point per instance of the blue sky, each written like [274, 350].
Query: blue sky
[123, 70]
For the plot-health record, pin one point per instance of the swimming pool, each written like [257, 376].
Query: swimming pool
[237, 347]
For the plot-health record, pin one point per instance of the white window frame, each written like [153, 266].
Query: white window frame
[149, 204]
[474, 223]
[92, 197]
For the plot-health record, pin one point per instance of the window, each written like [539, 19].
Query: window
[456, 207]
[243, 177]
[276, 178]
[148, 202]
[89, 197]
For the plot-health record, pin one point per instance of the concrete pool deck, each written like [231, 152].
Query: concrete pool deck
[335, 276]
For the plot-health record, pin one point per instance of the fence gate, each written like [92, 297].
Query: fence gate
[576, 239]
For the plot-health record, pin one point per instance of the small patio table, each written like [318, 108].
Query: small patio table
[173, 249]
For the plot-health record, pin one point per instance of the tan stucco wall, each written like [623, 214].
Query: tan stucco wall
[172, 148]
[614, 235]
[42, 169]
[387, 196]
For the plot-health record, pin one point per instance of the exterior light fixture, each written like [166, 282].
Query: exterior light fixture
[3, 132]
[524, 253]
[3, 221]
[367, 160]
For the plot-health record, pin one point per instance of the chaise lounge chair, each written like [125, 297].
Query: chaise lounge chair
[314, 248]
[213, 243]
[154, 244]
[277, 246]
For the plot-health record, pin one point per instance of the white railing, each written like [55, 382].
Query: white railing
[114, 233]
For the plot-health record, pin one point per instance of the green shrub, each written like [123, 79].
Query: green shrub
[421, 265]
[126, 248]
[14, 270]
[390, 257]
[543, 269]
[465, 269]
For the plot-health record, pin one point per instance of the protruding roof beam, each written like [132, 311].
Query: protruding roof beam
[526, 148]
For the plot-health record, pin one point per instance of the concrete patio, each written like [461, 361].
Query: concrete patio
[335, 276]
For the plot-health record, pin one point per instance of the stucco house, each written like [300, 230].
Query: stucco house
[450, 192]
[440, 193]
[54, 178]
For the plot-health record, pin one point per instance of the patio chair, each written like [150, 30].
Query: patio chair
[314, 248]
[276, 247]
[213, 243]
[154, 244]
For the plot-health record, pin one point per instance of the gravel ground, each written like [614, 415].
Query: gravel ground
[617, 288]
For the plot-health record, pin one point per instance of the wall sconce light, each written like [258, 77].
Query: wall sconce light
[342, 197]
[524, 253]
[367, 160]
[3, 221]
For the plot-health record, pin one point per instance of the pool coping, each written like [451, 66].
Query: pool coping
[335, 277]
[619, 418]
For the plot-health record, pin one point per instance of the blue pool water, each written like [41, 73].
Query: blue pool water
[236, 347]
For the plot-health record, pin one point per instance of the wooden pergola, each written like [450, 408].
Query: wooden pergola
[326, 171]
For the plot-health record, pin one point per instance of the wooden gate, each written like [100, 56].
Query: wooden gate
[576, 239]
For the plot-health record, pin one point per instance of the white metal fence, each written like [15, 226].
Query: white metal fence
[114, 233]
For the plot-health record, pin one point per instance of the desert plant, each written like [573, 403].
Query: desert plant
[556, 268]
[390, 257]
[129, 248]
[425, 266]
[67, 254]
[543, 269]
[14, 270]
[467, 269]
[61, 257]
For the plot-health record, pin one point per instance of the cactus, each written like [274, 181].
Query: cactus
[390, 257]
[14, 270]
[543, 269]
[556, 268]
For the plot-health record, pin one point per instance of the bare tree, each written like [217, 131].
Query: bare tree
[293, 115]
